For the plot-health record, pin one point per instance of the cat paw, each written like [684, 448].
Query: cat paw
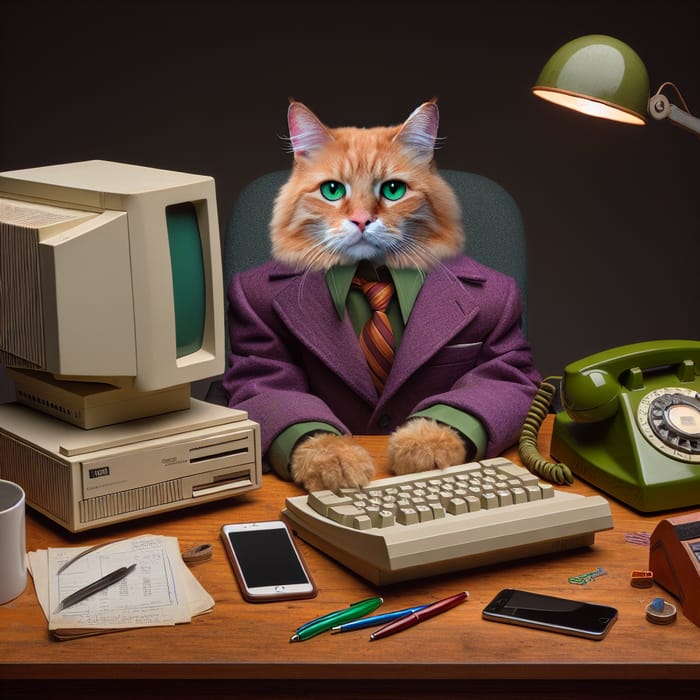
[328, 461]
[423, 444]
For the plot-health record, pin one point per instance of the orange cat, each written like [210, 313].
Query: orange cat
[462, 378]
[370, 194]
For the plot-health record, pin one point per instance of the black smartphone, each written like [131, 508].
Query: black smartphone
[547, 612]
[266, 562]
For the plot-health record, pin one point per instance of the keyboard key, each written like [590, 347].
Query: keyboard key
[519, 495]
[473, 503]
[386, 518]
[547, 490]
[489, 500]
[424, 513]
[407, 516]
[346, 514]
[505, 498]
[533, 493]
[322, 501]
[457, 506]
[438, 510]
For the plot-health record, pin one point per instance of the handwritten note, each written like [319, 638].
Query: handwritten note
[160, 591]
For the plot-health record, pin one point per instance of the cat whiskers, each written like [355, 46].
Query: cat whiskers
[320, 257]
[410, 251]
[300, 295]
[417, 254]
[313, 260]
[423, 256]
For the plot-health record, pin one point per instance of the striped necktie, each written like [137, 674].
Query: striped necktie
[377, 338]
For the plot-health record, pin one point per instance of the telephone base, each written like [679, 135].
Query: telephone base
[631, 470]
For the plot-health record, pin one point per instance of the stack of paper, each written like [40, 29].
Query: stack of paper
[160, 591]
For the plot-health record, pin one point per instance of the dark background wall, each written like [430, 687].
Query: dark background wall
[612, 212]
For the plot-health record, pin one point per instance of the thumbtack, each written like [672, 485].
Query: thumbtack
[661, 612]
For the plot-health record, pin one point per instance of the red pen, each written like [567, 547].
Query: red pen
[403, 623]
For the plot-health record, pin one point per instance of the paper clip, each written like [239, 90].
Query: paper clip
[582, 579]
[641, 538]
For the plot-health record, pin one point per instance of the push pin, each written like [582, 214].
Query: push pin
[661, 612]
[641, 579]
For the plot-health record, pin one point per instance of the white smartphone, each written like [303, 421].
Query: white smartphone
[551, 613]
[266, 562]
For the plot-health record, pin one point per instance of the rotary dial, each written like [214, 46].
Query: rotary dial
[669, 419]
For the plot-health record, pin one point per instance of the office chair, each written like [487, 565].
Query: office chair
[495, 234]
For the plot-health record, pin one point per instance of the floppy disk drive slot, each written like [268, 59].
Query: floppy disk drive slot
[218, 482]
[235, 450]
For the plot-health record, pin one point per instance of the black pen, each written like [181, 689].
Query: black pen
[95, 587]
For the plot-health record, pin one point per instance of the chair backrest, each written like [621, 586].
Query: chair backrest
[492, 223]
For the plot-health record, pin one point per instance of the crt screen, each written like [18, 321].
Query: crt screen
[189, 290]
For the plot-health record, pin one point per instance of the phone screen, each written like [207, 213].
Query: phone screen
[551, 613]
[266, 562]
[266, 558]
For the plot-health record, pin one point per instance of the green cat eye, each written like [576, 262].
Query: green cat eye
[333, 190]
[393, 190]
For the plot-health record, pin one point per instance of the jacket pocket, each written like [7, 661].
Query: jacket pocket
[465, 354]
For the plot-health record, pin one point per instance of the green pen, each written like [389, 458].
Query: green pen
[325, 622]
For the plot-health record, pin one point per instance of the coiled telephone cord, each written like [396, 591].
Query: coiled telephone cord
[527, 446]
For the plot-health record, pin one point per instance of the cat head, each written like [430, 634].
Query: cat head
[365, 194]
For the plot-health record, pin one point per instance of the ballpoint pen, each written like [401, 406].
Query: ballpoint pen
[337, 617]
[415, 617]
[95, 587]
[85, 552]
[375, 620]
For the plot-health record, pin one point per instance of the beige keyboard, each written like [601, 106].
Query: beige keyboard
[427, 523]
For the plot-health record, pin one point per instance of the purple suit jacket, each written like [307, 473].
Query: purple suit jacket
[293, 359]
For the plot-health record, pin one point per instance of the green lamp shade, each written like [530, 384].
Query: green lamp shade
[599, 76]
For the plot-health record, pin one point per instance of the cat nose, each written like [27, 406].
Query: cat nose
[362, 220]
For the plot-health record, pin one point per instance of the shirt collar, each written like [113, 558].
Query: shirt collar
[407, 282]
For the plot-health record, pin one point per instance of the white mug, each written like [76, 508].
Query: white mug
[13, 570]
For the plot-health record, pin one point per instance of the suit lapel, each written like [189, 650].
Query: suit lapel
[306, 308]
[443, 308]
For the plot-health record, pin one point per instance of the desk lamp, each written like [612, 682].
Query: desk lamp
[603, 77]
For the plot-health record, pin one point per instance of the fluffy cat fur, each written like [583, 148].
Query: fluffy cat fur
[419, 229]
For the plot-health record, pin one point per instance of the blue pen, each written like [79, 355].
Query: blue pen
[375, 620]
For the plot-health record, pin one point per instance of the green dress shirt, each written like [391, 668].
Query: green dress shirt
[407, 283]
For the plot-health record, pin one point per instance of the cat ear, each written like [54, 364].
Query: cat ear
[306, 132]
[419, 131]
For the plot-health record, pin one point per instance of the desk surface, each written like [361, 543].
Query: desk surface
[247, 643]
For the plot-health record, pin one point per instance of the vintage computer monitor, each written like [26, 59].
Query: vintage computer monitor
[111, 304]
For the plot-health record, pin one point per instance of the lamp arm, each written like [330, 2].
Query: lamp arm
[661, 108]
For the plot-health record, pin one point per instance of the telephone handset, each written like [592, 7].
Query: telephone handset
[631, 424]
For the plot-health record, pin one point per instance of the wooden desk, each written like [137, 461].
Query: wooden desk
[243, 650]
